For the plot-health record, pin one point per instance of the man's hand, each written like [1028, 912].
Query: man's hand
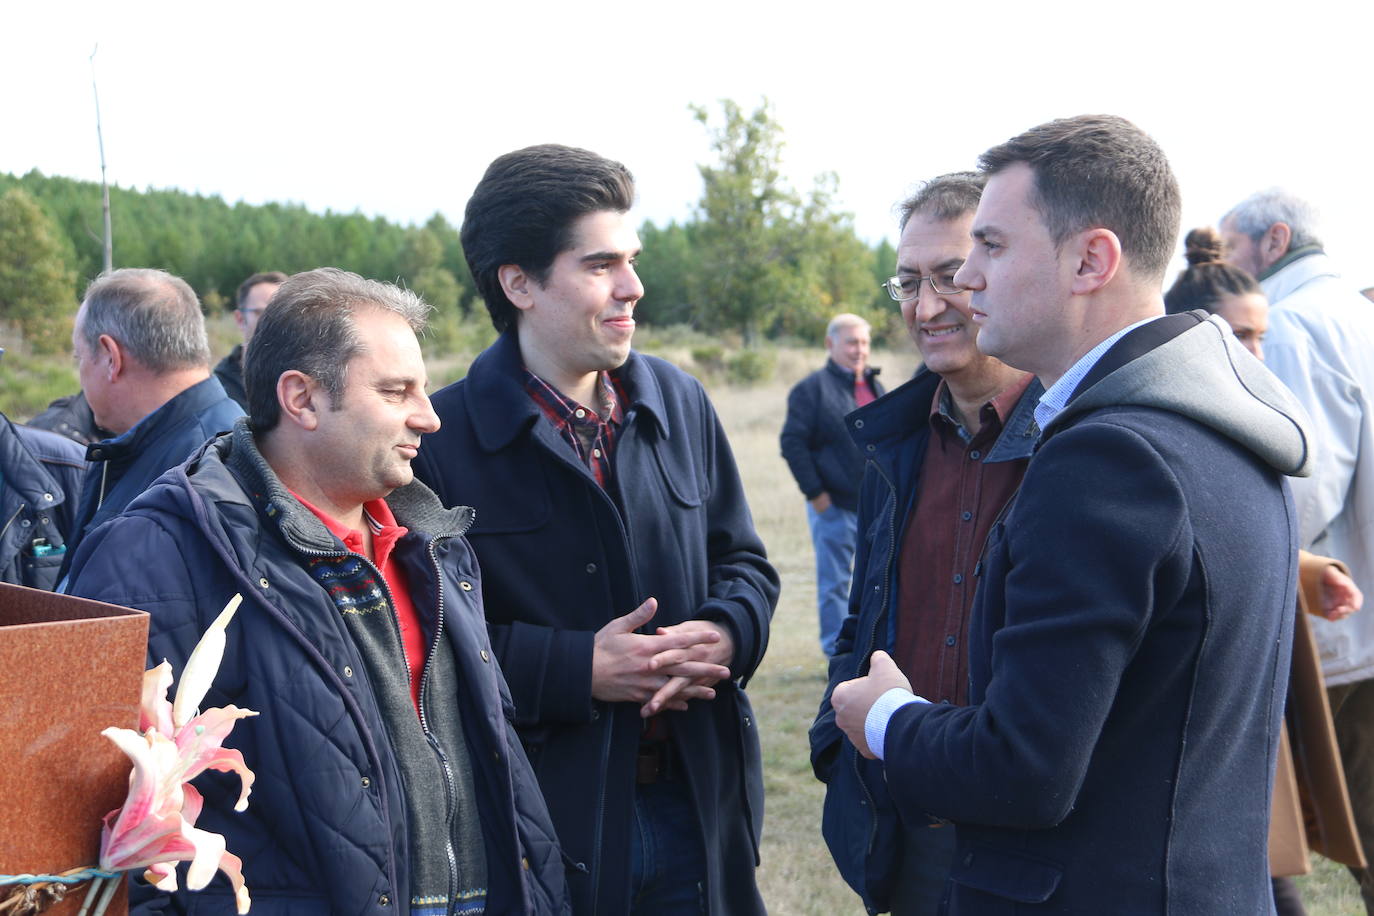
[623, 661]
[820, 503]
[692, 672]
[1340, 596]
[853, 699]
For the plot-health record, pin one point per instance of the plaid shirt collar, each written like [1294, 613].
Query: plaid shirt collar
[590, 433]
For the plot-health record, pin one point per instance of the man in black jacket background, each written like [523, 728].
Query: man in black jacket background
[826, 463]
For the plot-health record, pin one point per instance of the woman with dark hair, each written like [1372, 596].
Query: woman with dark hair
[1211, 284]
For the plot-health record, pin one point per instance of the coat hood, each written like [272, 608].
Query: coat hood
[1203, 373]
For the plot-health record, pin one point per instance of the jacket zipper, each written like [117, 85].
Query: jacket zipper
[873, 638]
[11, 519]
[104, 470]
[449, 790]
[609, 730]
[451, 793]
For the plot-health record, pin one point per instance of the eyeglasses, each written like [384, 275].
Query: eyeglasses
[905, 288]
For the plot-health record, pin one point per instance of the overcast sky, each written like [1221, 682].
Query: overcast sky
[395, 108]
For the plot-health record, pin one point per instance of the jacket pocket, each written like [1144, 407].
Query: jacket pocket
[40, 572]
[678, 466]
[1004, 873]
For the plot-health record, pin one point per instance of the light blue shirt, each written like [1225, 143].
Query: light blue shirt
[1056, 397]
[1052, 402]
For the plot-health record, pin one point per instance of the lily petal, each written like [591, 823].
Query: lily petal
[155, 711]
[208, 850]
[201, 668]
[232, 866]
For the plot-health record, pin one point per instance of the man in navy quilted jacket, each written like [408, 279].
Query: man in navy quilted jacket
[389, 776]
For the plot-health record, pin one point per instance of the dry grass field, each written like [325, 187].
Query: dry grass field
[797, 876]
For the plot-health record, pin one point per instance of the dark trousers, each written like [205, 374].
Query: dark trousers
[1352, 711]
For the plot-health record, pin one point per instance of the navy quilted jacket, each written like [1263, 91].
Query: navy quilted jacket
[325, 828]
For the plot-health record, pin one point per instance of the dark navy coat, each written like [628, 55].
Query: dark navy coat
[325, 830]
[123, 467]
[815, 441]
[860, 824]
[1129, 648]
[561, 557]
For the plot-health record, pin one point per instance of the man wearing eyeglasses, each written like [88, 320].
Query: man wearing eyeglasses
[250, 300]
[946, 451]
[826, 463]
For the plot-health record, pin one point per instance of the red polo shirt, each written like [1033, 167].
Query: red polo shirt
[960, 496]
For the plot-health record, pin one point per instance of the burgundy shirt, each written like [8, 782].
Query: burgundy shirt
[959, 499]
[589, 432]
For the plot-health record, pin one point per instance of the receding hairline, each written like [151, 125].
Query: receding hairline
[846, 320]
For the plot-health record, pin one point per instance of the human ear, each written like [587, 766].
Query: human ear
[300, 398]
[114, 355]
[1275, 243]
[515, 284]
[1099, 258]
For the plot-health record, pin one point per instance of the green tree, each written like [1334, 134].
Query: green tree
[774, 261]
[37, 283]
[668, 267]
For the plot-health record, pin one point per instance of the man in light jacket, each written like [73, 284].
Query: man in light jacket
[1321, 345]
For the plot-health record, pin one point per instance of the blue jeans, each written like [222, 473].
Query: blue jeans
[833, 533]
[667, 861]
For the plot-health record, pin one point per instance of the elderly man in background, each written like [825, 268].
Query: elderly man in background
[1321, 345]
[144, 363]
[826, 463]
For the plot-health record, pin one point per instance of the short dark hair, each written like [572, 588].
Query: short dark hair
[153, 314]
[523, 210]
[1207, 278]
[270, 276]
[944, 198]
[1099, 171]
[310, 328]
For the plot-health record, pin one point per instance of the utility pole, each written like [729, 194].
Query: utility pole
[104, 187]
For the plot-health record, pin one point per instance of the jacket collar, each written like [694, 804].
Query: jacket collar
[189, 403]
[905, 411]
[839, 371]
[414, 505]
[23, 473]
[1296, 273]
[500, 409]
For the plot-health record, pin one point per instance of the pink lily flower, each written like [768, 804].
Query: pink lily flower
[156, 827]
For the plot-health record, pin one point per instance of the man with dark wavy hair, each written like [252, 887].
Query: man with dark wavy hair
[1130, 637]
[628, 595]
